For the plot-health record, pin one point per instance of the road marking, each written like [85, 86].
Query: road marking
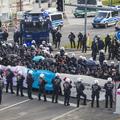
[8, 107]
[69, 112]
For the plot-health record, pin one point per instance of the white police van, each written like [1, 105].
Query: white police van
[106, 18]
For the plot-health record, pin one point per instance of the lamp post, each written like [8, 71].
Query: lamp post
[39, 3]
[85, 23]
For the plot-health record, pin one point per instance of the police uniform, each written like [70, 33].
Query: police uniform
[29, 84]
[67, 91]
[9, 80]
[95, 93]
[42, 90]
[80, 88]
[56, 88]
[1, 87]
[20, 79]
[109, 93]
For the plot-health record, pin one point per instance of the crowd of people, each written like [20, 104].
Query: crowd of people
[62, 62]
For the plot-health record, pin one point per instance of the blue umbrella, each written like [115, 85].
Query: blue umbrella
[38, 58]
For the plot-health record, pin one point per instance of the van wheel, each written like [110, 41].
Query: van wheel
[106, 25]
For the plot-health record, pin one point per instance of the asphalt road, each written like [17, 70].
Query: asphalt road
[21, 108]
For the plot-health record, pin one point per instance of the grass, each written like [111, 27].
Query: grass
[114, 2]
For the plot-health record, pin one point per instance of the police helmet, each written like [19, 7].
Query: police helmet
[43, 42]
[109, 79]
[24, 45]
[105, 61]
[79, 80]
[102, 51]
[42, 75]
[33, 41]
[96, 82]
[67, 80]
[20, 72]
[112, 62]
[62, 48]
[73, 54]
[30, 72]
[57, 74]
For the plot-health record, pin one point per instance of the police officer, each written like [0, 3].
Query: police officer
[20, 79]
[95, 93]
[29, 83]
[1, 88]
[80, 88]
[56, 87]
[9, 80]
[109, 92]
[67, 91]
[42, 84]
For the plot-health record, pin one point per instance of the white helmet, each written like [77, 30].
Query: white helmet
[96, 82]
[30, 72]
[102, 51]
[80, 57]
[42, 75]
[20, 72]
[112, 62]
[33, 41]
[67, 80]
[109, 79]
[105, 61]
[62, 48]
[66, 54]
[24, 45]
[79, 79]
[33, 46]
[73, 54]
[43, 42]
[57, 74]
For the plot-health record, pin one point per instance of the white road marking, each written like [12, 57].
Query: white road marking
[8, 107]
[69, 112]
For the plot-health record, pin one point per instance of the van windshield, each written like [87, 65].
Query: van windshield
[102, 14]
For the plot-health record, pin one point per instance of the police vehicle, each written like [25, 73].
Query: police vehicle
[106, 18]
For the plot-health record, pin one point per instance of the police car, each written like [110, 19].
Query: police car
[105, 19]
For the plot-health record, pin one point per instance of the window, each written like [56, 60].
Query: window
[115, 13]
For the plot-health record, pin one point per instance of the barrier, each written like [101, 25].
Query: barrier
[117, 111]
[87, 81]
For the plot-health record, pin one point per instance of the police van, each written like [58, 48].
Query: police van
[106, 18]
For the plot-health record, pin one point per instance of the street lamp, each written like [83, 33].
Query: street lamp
[85, 24]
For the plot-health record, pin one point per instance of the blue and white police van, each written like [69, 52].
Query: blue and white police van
[106, 18]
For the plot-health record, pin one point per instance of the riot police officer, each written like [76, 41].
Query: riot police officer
[29, 84]
[42, 90]
[1, 88]
[20, 79]
[9, 80]
[67, 91]
[56, 87]
[95, 93]
[109, 92]
[80, 88]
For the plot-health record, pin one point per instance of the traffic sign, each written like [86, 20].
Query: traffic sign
[118, 36]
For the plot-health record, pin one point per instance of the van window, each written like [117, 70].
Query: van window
[115, 13]
[108, 15]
